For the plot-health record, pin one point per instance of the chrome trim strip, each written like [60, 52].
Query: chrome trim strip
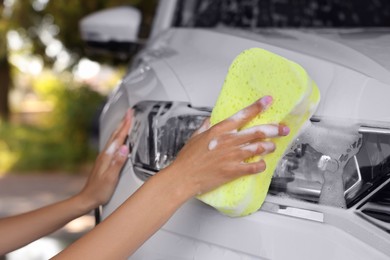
[357, 183]
[362, 129]
[366, 205]
[374, 130]
[143, 173]
[293, 212]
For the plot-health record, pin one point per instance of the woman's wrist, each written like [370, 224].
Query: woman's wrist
[83, 203]
[180, 187]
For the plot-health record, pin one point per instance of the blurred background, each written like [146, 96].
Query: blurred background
[52, 88]
[51, 93]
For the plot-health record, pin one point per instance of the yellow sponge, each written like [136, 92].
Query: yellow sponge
[253, 74]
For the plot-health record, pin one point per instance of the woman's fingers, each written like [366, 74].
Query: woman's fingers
[121, 131]
[264, 131]
[259, 148]
[252, 168]
[117, 162]
[248, 136]
[224, 152]
[115, 142]
[121, 156]
[104, 176]
[101, 183]
[255, 133]
[225, 133]
[243, 116]
[240, 155]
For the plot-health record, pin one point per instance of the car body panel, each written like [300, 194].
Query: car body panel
[208, 54]
[189, 65]
[197, 231]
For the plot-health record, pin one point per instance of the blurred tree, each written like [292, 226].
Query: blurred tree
[54, 23]
[4, 66]
[5, 81]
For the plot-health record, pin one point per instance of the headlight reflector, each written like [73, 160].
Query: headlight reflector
[160, 130]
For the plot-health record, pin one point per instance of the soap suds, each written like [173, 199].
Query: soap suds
[240, 115]
[112, 148]
[268, 147]
[268, 130]
[333, 144]
[213, 144]
[251, 147]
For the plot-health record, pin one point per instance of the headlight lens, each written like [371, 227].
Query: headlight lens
[160, 130]
[360, 155]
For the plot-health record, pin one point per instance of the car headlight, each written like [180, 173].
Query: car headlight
[160, 130]
[360, 154]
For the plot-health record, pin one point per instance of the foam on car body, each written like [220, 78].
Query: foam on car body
[253, 74]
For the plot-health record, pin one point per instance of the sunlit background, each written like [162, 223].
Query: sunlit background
[52, 89]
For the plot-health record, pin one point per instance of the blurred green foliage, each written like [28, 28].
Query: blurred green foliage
[64, 144]
[76, 116]
[58, 137]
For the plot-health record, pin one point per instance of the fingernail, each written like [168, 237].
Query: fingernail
[265, 101]
[123, 150]
[285, 130]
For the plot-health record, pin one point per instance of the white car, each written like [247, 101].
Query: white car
[330, 195]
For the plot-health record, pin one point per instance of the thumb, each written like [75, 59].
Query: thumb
[119, 159]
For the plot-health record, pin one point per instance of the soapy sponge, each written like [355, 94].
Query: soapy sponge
[253, 74]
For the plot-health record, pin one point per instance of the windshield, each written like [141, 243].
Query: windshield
[283, 13]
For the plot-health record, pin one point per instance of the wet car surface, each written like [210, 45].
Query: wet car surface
[329, 198]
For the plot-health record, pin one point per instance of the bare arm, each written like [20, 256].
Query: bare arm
[209, 159]
[17, 231]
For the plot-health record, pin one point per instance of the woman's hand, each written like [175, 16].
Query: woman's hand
[217, 155]
[212, 157]
[19, 230]
[104, 177]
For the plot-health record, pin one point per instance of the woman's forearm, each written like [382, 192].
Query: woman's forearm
[19, 230]
[209, 159]
[138, 218]
[22, 229]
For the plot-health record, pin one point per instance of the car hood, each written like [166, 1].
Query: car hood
[364, 50]
[351, 68]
